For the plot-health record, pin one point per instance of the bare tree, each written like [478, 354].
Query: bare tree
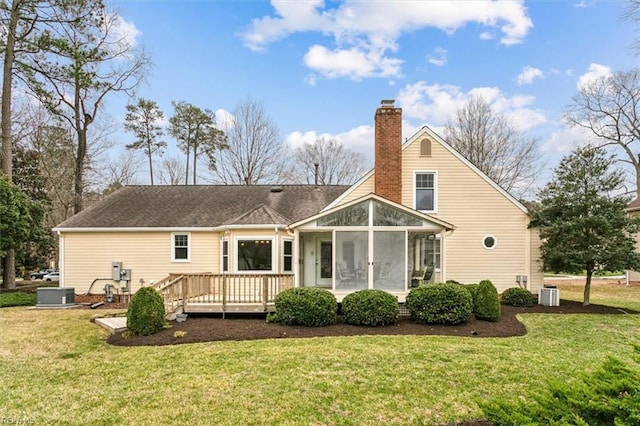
[196, 132]
[119, 172]
[631, 13]
[143, 120]
[335, 164]
[96, 59]
[255, 153]
[171, 171]
[609, 107]
[494, 145]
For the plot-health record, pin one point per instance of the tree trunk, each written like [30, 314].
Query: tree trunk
[7, 82]
[6, 155]
[150, 167]
[78, 178]
[587, 288]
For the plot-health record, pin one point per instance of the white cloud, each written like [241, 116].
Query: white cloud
[438, 57]
[224, 119]
[358, 139]
[435, 104]
[126, 31]
[566, 139]
[595, 72]
[365, 33]
[351, 63]
[529, 74]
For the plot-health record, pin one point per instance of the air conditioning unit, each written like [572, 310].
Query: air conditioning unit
[55, 296]
[549, 297]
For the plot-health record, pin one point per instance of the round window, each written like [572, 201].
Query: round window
[489, 242]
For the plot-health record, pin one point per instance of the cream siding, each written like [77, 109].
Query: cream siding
[88, 256]
[365, 188]
[536, 275]
[476, 209]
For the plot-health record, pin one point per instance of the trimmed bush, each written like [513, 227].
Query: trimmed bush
[487, 302]
[516, 296]
[439, 304]
[308, 306]
[146, 313]
[473, 289]
[370, 307]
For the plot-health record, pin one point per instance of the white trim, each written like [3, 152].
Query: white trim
[173, 247]
[435, 189]
[170, 229]
[495, 242]
[274, 256]
[222, 241]
[285, 239]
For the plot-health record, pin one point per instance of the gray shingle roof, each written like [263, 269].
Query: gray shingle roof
[204, 206]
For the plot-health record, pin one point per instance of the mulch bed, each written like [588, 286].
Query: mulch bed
[214, 328]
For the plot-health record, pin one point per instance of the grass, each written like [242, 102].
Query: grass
[602, 294]
[72, 376]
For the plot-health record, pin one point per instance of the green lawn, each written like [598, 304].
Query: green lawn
[55, 367]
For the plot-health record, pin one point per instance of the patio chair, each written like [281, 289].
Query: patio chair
[345, 276]
[425, 278]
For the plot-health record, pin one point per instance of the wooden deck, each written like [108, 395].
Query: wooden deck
[207, 293]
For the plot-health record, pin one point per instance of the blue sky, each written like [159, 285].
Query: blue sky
[321, 68]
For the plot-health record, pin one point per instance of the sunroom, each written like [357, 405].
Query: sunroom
[369, 243]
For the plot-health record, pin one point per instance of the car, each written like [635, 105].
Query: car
[38, 275]
[52, 276]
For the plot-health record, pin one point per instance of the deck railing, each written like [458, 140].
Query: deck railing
[218, 292]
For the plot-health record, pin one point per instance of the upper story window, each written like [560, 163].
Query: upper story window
[425, 187]
[180, 247]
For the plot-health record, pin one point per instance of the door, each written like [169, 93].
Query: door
[324, 262]
[389, 260]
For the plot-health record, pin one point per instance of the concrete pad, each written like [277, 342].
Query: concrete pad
[112, 324]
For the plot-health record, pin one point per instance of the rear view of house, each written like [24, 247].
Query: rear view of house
[424, 211]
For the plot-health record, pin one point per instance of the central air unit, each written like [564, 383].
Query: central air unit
[549, 297]
[55, 296]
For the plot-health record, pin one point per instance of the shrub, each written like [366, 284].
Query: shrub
[440, 304]
[473, 289]
[145, 315]
[516, 296]
[308, 306]
[610, 395]
[17, 298]
[370, 307]
[487, 302]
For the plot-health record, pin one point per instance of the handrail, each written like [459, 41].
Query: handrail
[222, 289]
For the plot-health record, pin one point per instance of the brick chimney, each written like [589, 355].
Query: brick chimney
[388, 152]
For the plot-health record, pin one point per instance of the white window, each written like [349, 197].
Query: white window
[225, 255]
[254, 254]
[180, 247]
[425, 191]
[287, 255]
[429, 252]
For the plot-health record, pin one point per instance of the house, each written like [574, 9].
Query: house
[633, 209]
[423, 207]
